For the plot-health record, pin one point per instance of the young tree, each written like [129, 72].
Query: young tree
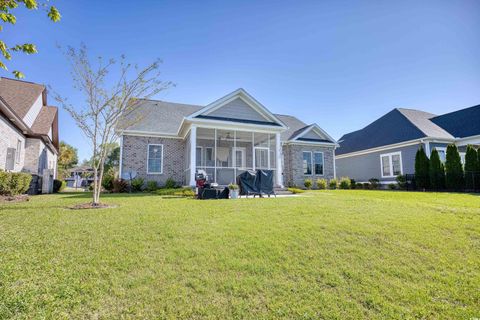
[421, 169]
[436, 171]
[107, 108]
[471, 167]
[68, 157]
[453, 169]
[6, 16]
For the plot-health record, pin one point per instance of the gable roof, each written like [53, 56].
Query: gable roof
[393, 127]
[422, 120]
[461, 123]
[311, 133]
[43, 122]
[253, 111]
[20, 95]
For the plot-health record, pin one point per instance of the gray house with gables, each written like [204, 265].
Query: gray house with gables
[226, 137]
[386, 148]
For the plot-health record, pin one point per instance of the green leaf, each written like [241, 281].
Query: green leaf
[54, 14]
[30, 4]
[8, 17]
[18, 74]
[3, 66]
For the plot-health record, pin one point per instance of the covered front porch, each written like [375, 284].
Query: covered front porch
[225, 153]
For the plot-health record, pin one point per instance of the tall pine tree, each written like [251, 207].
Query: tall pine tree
[436, 171]
[471, 167]
[453, 169]
[422, 179]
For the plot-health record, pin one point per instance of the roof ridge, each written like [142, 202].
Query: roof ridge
[23, 81]
[459, 110]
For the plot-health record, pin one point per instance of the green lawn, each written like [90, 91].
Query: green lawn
[327, 254]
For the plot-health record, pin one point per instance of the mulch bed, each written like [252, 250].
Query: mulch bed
[90, 205]
[13, 199]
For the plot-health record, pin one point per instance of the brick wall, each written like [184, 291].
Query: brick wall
[134, 157]
[9, 138]
[293, 164]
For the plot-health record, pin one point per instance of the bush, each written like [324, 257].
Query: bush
[436, 171]
[392, 186]
[401, 181]
[422, 179]
[453, 169]
[374, 183]
[137, 184]
[107, 181]
[367, 186]
[353, 184]
[170, 184]
[295, 190]
[179, 192]
[58, 185]
[321, 184]
[308, 183]
[152, 186]
[358, 185]
[14, 183]
[345, 183]
[471, 167]
[333, 184]
[120, 185]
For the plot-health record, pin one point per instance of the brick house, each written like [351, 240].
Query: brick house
[28, 129]
[230, 135]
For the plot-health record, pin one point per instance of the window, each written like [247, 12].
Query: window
[261, 158]
[155, 158]
[391, 164]
[19, 149]
[198, 155]
[318, 163]
[442, 154]
[307, 163]
[209, 157]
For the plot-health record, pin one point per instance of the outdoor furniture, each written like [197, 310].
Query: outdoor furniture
[259, 182]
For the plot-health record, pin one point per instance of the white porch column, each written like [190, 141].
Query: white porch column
[193, 154]
[278, 154]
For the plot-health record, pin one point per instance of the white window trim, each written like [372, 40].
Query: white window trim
[323, 163]
[444, 149]
[311, 164]
[202, 161]
[148, 158]
[390, 155]
[268, 157]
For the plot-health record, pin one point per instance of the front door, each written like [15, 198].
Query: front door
[240, 157]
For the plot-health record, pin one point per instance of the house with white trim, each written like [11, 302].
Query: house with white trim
[225, 138]
[386, 147]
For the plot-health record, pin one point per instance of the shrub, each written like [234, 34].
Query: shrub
[14, 183]
[367, 186]
[358, 185]
[401, 181]
[137, 184]
[453, 169]
[421, 169]
[392, 186]
[353, 184]
[436, 171]
[471, 167]
[332, 184]
[152, 186]
[345, 183]
[170, 183]
[308, 183]
[374, 183]
[107, 181]
[322, 184]
[58, 185]
[295, 190]
[120, 185]
[183, 192]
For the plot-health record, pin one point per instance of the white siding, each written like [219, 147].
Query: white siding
[238, 109]
[9, 136]
[33, 112]
[312, 135]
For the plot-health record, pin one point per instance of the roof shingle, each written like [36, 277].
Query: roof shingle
[19, 95]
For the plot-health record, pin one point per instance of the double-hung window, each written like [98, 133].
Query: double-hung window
[307, 163]
[155, 158]
[318, 163]
[391, 164]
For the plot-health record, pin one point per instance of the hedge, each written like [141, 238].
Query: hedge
[14, 183]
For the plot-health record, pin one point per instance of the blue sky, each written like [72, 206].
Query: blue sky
[341, 64]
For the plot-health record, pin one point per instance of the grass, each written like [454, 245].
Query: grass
[328, 254]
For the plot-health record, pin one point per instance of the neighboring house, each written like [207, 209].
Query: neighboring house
[80, 177]
[228, 136]
[386, 147]
[28, 128]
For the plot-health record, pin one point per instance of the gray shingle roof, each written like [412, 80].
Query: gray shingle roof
[461, 123]
[166, 117]
[422, 121]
